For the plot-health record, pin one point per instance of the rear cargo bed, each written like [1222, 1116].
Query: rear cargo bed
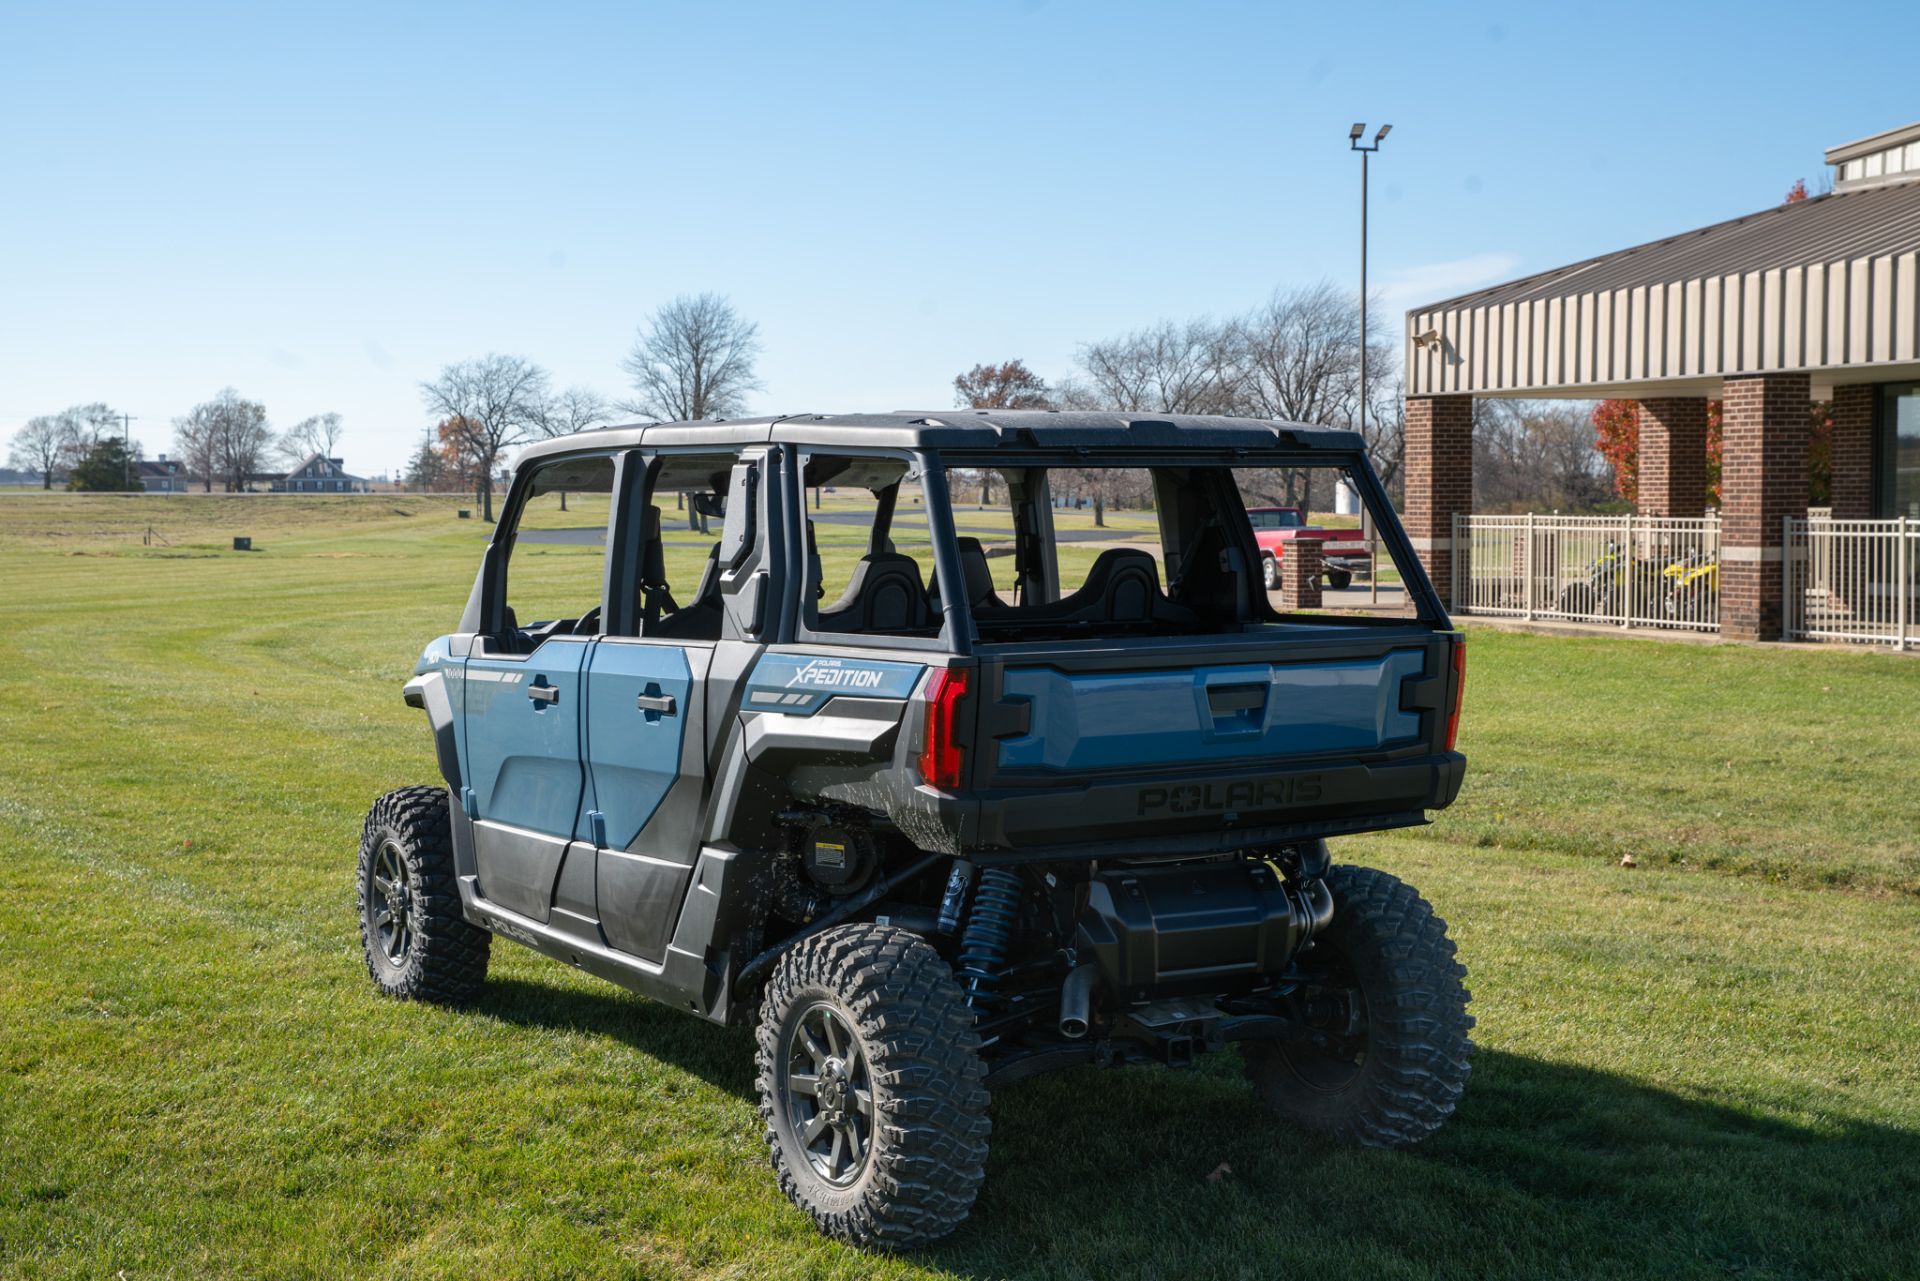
[1212, 742]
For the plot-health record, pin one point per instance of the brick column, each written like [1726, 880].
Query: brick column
[1300, 571]
[1763, 480]
[1439, 480]
[1673, 456]
[1853, 451]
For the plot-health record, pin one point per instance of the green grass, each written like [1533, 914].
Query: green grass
[1705, 1066]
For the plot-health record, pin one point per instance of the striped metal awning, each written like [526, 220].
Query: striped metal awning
[1829, 285]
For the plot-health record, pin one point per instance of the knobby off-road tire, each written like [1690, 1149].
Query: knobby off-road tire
[418, 947]
[867, 1044]
[1392, 1016]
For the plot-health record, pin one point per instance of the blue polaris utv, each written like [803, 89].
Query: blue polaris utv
[947, 749]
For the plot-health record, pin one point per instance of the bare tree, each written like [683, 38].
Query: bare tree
[1173, 367]
[1008, 385]
[227, 437]
[693, 360]
[39, 446]
[1529, 455]
[319, 434]
[487, 406]
[195, 440]
[575, 409]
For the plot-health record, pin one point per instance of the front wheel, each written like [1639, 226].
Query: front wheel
[1382, 1054]
[872, 1089]
[1269, 571]
[417, 944]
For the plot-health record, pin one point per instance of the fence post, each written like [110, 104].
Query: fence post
[1453, 570]
[1526, 569]
[1903, 585]
[1786, 578]
[1626, 570]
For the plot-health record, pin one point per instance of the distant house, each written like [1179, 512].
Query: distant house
[161, 475]
[318, 475]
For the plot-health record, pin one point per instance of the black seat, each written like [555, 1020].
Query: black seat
[699, 618]
[977, 575]
[885, 594]
[1123, 586]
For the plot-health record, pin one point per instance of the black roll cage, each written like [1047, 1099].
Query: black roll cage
[778, 553]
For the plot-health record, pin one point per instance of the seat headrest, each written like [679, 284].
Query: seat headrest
[979, 575]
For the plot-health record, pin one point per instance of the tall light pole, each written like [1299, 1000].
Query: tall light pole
[1365, 150]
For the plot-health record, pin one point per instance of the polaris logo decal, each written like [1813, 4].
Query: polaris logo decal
[1238, 794]
[830, 673]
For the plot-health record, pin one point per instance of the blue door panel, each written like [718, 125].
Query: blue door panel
[633, 751]
[523, 754]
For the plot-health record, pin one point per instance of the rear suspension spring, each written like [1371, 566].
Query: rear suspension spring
[988, 938]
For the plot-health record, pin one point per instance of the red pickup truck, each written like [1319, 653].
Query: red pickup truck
[1343, 552]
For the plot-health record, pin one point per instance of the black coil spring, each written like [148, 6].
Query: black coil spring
[989, 934]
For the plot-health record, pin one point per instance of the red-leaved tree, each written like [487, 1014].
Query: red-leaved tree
[1616, 425]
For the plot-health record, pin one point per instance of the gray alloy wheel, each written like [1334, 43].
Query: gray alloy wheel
[827, 1094]
[391, 903]
[1269, 571]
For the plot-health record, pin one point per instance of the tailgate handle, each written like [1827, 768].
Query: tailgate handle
[1232, 700]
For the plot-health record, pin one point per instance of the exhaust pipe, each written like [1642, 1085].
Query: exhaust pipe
[1076, 1000]
[1315, 905]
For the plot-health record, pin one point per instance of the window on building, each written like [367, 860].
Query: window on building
[1897, 461]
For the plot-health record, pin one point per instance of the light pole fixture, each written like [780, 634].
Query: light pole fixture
[1354, 136]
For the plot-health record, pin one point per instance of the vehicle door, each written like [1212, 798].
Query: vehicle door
[694, 526]
[524, 711]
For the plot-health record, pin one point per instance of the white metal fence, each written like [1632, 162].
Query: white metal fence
[1855, 581]
[1632, 571]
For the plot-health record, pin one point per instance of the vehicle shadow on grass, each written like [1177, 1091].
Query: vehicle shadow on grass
[1546, 1170]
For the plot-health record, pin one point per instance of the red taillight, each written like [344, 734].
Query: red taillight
[1459, 690]
[941, 760]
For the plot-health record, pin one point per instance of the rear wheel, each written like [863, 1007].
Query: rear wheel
[872, 1087]
[1384, 1055]
[417, 944]
[1339, 579]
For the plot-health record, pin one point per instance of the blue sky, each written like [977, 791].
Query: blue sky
[323, 204]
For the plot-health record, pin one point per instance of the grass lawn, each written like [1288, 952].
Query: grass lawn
[1708, 1065]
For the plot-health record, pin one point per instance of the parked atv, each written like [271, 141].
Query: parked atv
[936, 807]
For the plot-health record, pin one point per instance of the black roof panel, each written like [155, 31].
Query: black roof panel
[971, 429]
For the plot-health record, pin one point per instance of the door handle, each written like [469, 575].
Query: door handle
[662, 703]
[548, 694]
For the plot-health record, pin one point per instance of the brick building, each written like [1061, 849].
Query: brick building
[1815, 300]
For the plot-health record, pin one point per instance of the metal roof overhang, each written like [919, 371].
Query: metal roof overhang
[1829, 286]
